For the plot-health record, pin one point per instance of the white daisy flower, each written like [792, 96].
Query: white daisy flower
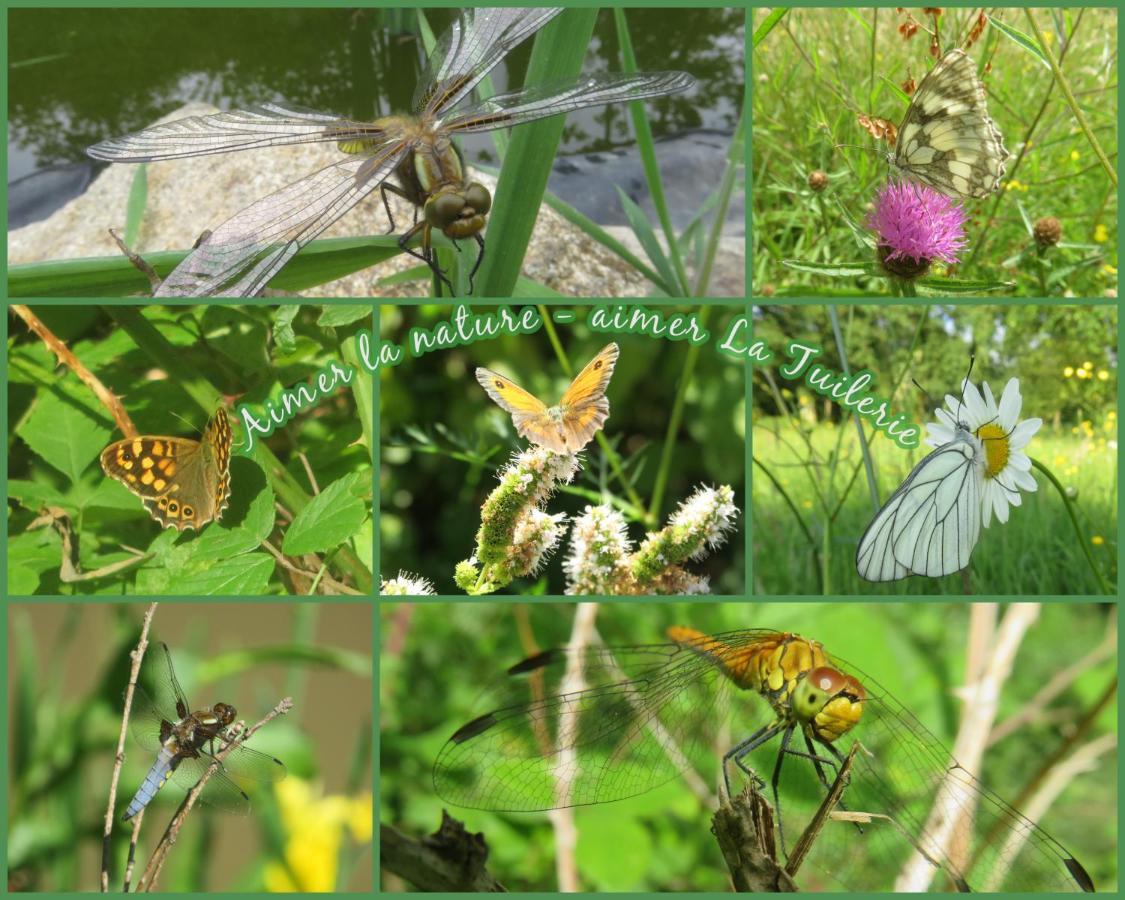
[1007, 469]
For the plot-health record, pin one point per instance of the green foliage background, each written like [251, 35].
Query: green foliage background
[439, 659]
[811, 501]
[172, 367]
[816, 70]
[443, 439]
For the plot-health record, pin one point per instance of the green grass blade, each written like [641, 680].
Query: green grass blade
[558, 54]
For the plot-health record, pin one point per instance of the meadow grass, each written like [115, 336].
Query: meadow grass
[806, 525]
[815, 71]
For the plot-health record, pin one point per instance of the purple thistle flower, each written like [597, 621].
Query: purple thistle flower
[916, 225]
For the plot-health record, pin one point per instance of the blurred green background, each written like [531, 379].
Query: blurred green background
[811, 501]
[443, 439]
[68, 665]
[437, 657]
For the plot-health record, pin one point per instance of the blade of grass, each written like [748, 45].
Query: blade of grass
[558, 53]
[647, 147]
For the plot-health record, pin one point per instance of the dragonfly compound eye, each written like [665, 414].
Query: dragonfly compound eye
[834, 701]
[478, 197]
[443, 210]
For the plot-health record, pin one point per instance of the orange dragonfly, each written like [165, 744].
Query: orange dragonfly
[238, 258]
[648, 712]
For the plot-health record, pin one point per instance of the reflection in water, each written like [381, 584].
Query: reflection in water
[77, 76]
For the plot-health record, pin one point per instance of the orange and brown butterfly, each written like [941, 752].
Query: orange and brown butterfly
[565, 428]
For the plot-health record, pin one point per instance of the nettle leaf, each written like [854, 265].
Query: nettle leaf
[331, 518]
[248, 573]
[64, 435]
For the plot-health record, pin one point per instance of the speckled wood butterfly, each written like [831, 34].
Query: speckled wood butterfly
[181, 482]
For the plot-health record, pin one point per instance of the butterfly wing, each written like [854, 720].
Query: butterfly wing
[584, 406]
[164, 473]
[217, 440]
[947, 139]
[931, 524]
[529, 414]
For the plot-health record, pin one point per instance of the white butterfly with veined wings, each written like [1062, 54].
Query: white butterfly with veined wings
[931, 524]
[946, 139]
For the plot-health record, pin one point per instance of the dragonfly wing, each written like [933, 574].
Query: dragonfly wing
[240, 256]
[244, 764]
[601, 725]
[145, 717]
[555, 98]
[268, 125]
[469, 49]
[219, 792]
[158, 697]
[903, 772]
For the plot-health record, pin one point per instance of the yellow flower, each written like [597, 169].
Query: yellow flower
[1074, 156]
[1068, 371]
[1102, 375]
[1087, 365]
[1097, 540]
[314, 828]
[1101, 234]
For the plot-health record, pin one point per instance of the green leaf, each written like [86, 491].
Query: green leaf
[331, 518]
[335, 316]
[135, 206]
[241, 575]
[63, 434]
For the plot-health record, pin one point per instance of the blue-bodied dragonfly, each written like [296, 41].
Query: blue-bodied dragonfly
[239, 257]
[186, 742]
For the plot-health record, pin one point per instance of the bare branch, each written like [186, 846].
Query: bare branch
[451, 859]
[137, 655]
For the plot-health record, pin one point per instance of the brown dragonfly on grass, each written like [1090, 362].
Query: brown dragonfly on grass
[239, 257]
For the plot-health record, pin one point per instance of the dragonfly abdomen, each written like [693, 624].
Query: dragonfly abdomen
[160, 772]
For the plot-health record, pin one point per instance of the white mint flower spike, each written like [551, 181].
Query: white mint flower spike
[1003, 437]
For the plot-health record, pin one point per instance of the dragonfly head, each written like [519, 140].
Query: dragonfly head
[224, 713]
[828, 702]
[459, 212]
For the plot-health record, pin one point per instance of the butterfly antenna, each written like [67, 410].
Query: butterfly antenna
[964, 385]
[925, 393]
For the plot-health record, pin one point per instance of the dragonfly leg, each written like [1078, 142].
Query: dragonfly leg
[426, 255]
[480, 259]
[742, 749]
[774, 780]
[387, 206]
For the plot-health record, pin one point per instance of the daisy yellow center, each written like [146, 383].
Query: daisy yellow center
[996, 449]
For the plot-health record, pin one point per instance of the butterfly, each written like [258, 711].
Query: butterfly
[931, 524]
[182, 483]
[947, 139]
[565, 428]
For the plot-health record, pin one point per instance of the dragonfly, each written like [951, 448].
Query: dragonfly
[186, 742]
[644, 714]
[413, 157]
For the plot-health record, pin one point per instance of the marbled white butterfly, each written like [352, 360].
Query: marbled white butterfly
[947, 139]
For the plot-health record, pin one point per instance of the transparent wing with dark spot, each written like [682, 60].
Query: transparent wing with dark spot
[640, 716]
[555, 98]
[268, 125]
[240, 256]
[643, 714]
[469, 49]
[157, 697]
